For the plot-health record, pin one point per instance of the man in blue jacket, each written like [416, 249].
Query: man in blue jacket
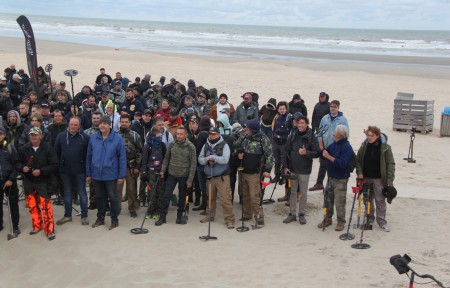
[106, 165]
[338, 155]
[71, 147]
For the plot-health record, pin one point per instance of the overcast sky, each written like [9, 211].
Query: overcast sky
[372, 14]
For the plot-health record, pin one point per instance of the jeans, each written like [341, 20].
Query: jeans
[70, 182]
[103, 191]
[169, 186]
[13, 193]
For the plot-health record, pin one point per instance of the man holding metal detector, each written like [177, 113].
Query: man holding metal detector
[338, 156]
[255, 151]
[301, 147]
[214, 158]
[376, 165]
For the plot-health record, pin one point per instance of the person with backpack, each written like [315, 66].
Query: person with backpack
[255, 155]
[338, 156]
[300, 149]
[133, 149]
[213, 159]
[180, 163]
[376, 164]
[153, 155]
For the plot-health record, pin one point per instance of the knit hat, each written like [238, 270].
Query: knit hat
[223, 95]
[253, 125]
[297, 115]
[105, 119]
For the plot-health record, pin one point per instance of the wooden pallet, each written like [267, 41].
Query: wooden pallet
[410, 114]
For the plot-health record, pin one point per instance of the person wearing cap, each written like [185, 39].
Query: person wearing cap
[245, 111]
[164, 111]
[213, 159]
[37, 161]
[179, 166]
[254, 153]
[16, 91]
[100, 76]
[3, 82]
[6, 104]
[133, 149]
[376, 165]
[46, 116]
[219, 107]
[297, 104]
[35, 121]
[106, 165]
[201, 106]
[329, 122]
[174, 122]
[117, 94]
[338, 156]
[8, 180]
[130, 105]
[300, 149]
[267, 113]
[71, 148]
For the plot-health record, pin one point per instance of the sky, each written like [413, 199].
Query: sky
[366, 14]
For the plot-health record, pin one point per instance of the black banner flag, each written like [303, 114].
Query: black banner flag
[30, 47]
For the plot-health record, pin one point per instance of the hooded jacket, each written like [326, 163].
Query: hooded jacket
[180, 160]
[14, 131]
[387, 162]
[226, 129]
[268, 112]
[320, 109]
[298, 108]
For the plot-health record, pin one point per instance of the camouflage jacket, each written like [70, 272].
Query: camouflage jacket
[133, 148]
[257, 153]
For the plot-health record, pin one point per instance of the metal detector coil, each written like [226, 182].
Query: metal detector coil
[70, 72]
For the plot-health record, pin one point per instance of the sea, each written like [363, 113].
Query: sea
[226, 40]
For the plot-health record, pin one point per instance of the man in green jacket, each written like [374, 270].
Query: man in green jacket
[376, 165]
[180, 164]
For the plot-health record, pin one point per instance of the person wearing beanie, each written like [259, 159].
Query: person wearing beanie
[297, 105]
[254, 153]
[266, 114]
[106, 165]
[219, 108]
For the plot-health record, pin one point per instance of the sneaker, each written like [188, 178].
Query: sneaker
[230, 225]
[178, 221]
[64, 220]
[339, 227]
[385, 228]
[302, 219]
[98, 223]
[113, 225]
[160, 221]
[316, 187]
[34, 232]
[289, 219]
[133, 214]
[84, 221]
[51, 236]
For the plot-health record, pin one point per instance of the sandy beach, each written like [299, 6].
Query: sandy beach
[278, 255]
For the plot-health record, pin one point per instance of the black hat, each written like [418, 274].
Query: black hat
[390, 193]
[45, 105]
[297, 115]
[223, 95]
[214, 130]
[138, 113]
[148, 111]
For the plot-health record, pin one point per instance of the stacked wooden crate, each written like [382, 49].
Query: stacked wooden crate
[409, 113]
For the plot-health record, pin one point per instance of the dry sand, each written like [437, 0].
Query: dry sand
[278, 255]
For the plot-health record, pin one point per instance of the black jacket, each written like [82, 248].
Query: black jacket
[54, 129]
[300, 164]
[298, 108]
[321, 109]
[72, 151]
[8, 157]
[44, 159]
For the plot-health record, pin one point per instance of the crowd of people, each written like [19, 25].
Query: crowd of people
[150, 137]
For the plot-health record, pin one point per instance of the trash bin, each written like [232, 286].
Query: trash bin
[445, 122]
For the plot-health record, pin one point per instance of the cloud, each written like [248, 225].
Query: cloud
[380, 14]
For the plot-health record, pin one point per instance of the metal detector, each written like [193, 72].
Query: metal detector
[410, 158]
[185, 217]
[365, 225]
[209, 237]
[142, 230]
[348, 235]
[11, 235]
[242, 228]
[71, 73]
[329, 188]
